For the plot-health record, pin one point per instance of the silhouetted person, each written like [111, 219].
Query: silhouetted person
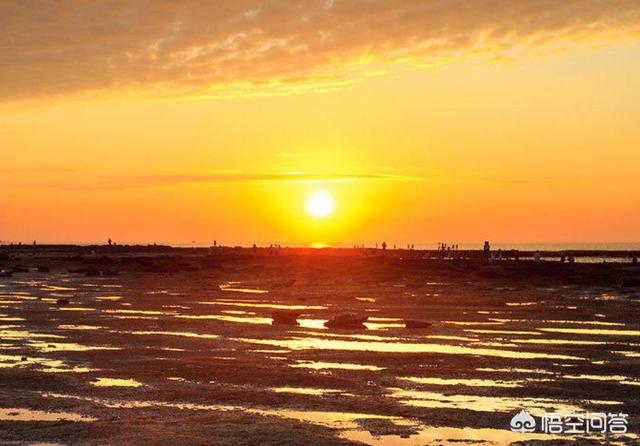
[536, 256]
[384, 246]
[486, 250]
[634, 260]
[562, 258]
[110, 242]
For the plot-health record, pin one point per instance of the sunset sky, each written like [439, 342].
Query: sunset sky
[423, 121]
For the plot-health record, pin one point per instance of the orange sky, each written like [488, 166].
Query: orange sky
[425, 121]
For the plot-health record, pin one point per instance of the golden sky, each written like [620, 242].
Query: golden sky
[425, 121]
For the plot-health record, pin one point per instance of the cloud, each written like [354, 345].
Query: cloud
[140, 181]
[198, 47]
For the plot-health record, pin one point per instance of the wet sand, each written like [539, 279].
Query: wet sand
[177, 347]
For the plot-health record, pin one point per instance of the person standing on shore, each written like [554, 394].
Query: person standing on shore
[486, 250]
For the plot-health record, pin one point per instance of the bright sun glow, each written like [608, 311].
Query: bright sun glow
[320, 204]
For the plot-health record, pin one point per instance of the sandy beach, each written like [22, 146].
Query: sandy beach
[177, 347]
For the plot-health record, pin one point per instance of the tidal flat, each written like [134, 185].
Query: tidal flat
[177, 347]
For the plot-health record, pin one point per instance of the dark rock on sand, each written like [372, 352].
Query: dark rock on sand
[346, 320]
[285, 317]
[91, 272]
[43, 269]
[6, 274]
[414, 323]
[20, 269]
[62, 302]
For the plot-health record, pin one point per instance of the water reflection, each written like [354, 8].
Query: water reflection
[461, 382]
[535, 406]
[319, 365]
[23, 414]
[267, 305]
[594, 331]
[233, 286]
[115, 382]
[398, 347]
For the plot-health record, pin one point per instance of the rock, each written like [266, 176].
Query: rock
[285, 317]
[62, 302]
[20, 269]
[6, 274]
[43, 269]
[414, 323]
[346, 320]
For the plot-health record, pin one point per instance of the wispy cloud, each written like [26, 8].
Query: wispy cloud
[203, 47]
[144, 181]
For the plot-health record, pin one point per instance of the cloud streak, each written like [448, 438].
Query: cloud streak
[144, 181]
[198, 47]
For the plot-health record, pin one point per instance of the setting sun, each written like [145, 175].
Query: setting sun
[320, 204]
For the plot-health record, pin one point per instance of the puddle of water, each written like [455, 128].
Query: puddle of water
[57, 288]
[556, 341]
[461, 382]
[366, 299]
[318, 365]
[79, 327]
[147, 318]
[445, 436]
[304, 390]
[382, 326]
[23, 414]
[219, 317]
[237, 312]
[516, 370]
[168, 313]
[7, 334]
[270, 351]
[47, 347]
[628, 354]
[185, 334]
[264, 305]
[471, 323]
[451, 338]
[234, 288]
[397, 347]
[603, 323]
[115, 382]
[594, 331]
[535, 406]
[531, 333]
[109, 298]
[43, 364]
[75, 309]
[317, 324]
[612, 378]
[521, 304]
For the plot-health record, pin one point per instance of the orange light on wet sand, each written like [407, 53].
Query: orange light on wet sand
[320, 204]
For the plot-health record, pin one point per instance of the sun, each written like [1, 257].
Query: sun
[320, 204]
